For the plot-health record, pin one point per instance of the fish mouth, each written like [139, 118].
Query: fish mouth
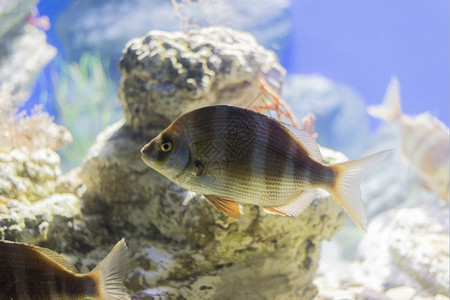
[147, 161]
[148, 154]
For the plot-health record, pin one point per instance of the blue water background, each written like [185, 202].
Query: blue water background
[361, 43]
[358, 43]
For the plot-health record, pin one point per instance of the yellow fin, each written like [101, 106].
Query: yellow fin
[296, 207]
[58, 258]
[111, 271]
[308, 143]
[225, 206]
[346, 190]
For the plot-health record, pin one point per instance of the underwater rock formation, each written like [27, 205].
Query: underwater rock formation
[407, 247]
[23, 47]
[180, 246]
[28, 176]
[30, 209]
[168, 74]
[404, 255]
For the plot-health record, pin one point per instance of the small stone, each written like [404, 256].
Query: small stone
[401, 293]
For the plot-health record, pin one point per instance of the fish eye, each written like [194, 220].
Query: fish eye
[166, 147]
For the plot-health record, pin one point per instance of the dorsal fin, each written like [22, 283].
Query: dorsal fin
[390, 109]
[56, 257]
[308, 143]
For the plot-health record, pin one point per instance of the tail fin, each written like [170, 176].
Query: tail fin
[111, 270]
[346, 189]
[390, 109]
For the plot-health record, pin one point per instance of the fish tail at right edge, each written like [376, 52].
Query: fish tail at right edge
[390, 108]
[110, 273]
[345, 189]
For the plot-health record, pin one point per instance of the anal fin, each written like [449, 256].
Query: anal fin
[227, 207]
[296, 207]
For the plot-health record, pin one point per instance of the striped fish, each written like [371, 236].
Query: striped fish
[426, 140]
[31, 272]
[233, 155]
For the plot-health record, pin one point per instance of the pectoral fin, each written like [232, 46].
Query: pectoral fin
[295, 207]
[225, 206]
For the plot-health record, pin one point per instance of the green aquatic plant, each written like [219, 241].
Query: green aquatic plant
[86, 99]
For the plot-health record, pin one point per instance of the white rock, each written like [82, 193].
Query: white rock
[406, 247]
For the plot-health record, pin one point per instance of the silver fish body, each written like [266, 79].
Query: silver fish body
[231, 154]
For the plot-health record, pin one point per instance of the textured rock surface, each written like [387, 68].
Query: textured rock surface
[167, 74]
[27, 176]
[180, 246]
[407, 247]
[30, 209]
[42, 222]
[23, 49]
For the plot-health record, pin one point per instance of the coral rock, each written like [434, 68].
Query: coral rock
[28, 176]
[35, 223]
[180, 246]
[30, 210]
[407, 247]
[167, 74]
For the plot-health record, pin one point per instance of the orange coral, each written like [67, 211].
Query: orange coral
[33, 132]
[268, 100]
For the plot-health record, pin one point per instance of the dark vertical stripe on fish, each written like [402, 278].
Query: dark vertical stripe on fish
[226, 122]
[90, 287]
[289, 168]
[273, 135]
[240, 150]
